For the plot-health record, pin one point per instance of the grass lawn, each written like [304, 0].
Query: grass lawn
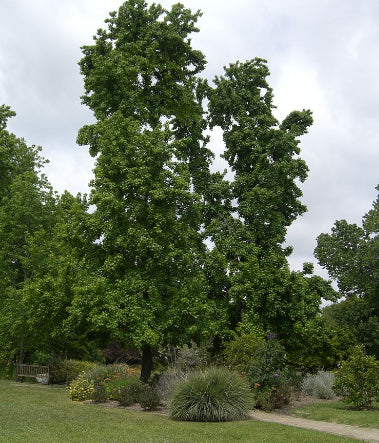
[36, 413]
[339, 412]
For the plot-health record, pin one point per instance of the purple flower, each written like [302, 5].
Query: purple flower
[276, 375]
[271, 335]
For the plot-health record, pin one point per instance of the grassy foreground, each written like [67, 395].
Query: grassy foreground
[35, 413]
[339, 412]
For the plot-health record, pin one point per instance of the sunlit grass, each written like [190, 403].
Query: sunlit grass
[339, 412]
[35, 413]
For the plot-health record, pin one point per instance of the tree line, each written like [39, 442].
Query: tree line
[174, 253]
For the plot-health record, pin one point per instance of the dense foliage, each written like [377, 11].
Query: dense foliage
[170, 253]
[268, 375]
[350, 255]
[358, 379]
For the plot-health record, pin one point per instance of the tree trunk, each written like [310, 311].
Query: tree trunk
[21, 354]
[147, 363]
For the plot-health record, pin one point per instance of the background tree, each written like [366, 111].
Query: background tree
[27, 205]
[350, 255]
[42, 239]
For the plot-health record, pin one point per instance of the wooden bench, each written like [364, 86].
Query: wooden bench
[40, 373]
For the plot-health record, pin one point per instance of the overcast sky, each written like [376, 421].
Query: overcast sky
[322, 54]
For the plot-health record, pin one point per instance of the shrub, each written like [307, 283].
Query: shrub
[358, 379]
[114, 378]
[8, 370]
[148, 397]
[239, 352]
[268, 398]
[65, 371]
[269, 375]
[190, 357]
[319, 385]
[216, 394]
[99, 394]
[111, 378]
[81, 388]
[129, 395]
[186, 357]
[168, 381]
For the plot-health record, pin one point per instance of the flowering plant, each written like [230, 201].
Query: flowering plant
[268, 375]
[81, 388]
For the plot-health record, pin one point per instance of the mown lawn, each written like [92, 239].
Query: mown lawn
[35, 413]
[339, 412]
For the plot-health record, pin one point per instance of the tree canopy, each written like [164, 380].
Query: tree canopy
[169, 252]
[350, 255]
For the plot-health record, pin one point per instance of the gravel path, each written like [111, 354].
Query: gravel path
[365, 434]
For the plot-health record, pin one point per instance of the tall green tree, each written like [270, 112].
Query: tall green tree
[263, 199]
[140, 77]
[16, 157]
[350, 255]
[43, 237]
[27, 205]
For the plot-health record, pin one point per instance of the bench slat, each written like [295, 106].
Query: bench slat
[24, 370]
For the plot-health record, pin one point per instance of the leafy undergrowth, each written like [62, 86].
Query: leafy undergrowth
[36, 413]
[339, 412]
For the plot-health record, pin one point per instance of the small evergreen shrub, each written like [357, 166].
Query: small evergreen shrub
[148, 397]
[357, 380]
[81, 388]
[8, 370]
[65, 371]
[239, 352]
[130, 394]
[319, 385]
[99, 394]
[213, 395]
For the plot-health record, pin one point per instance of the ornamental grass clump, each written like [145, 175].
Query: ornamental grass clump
[212, 395]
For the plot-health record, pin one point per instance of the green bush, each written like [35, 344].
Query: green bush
[357, 380]
[186, 357]
[239, 352]
[130, 394]
[106, 382]
[114, 378]
[81, 388]
[269, 377]
[216, 394]
[319, 385]
[148, 397]
[65, 371]
[8, 370]
[99, 394]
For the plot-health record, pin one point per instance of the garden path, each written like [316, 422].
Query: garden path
[363, 434]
